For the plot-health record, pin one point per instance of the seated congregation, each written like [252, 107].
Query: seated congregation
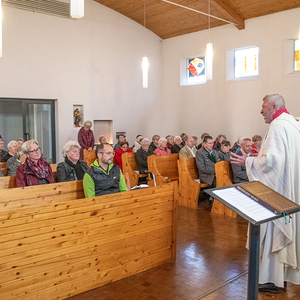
[105, 175]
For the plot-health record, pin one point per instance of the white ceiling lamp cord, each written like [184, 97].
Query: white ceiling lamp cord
[145, 58]
[199, 12]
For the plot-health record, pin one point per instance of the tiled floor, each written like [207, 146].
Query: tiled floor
[211, 264]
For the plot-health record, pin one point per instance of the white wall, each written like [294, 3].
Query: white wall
[95, 61]
[231, 107]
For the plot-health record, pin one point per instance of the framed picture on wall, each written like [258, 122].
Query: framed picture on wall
[120, 132]
[78, 115]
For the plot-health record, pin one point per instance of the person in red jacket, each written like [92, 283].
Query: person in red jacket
[35, 170]
[124, 147]
[256, 140]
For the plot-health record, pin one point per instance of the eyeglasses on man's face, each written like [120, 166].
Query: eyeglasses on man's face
[35, 151]
[108, 153]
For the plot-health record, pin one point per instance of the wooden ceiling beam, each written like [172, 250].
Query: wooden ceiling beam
[229, 13]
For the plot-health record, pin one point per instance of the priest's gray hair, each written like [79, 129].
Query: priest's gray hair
[69, 146]
[276, 99]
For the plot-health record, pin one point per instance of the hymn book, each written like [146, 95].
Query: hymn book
[254, 201]
[267, 197]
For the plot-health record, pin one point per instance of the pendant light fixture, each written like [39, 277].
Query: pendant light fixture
[77, 9]
[0, 28]
[145, 59]
[209, 50]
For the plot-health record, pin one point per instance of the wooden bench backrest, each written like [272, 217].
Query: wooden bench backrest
[90, 156]
[8, 182]
[224, 174]
[53, 167]
[192, 167]
[165, 166]
[129, 167]
[59, 247]
[3, 168]
[129, 162]
[31, 196]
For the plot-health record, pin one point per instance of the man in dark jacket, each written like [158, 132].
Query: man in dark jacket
[154, 143]
[121, 138]
[2, 152]
[206, 158]
[239, 172]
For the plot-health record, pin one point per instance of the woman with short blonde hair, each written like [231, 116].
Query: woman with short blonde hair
[86, 138]
[35, 170]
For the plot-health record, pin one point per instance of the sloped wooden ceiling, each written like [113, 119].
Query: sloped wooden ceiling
[167, 20]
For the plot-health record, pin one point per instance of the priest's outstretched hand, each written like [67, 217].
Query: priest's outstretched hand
[238, 160]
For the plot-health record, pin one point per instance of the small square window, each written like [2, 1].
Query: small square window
[297, 56]
[196, 71]
[246, 62]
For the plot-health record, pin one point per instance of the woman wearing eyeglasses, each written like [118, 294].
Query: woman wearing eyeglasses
[35, 170]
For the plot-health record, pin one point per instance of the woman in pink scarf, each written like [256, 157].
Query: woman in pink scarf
[35, 170]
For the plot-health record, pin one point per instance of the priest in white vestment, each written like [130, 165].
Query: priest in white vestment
[278, 166]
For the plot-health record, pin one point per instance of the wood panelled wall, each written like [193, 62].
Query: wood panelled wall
[55, 244]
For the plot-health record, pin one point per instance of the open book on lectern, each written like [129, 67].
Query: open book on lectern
[254, 201]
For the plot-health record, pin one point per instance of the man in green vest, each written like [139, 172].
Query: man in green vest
[103, 177]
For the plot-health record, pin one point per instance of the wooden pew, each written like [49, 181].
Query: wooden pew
[8, 182]
[189, 182]
[3, 168]
[224, 176]
[53, 167]
[164, 168]
[130, 167]
[55, 245]
[89, 157]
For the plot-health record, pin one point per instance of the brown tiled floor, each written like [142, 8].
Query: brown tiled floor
[211, 264]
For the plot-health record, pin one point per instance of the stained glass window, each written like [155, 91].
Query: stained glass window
[246, 62]
[297, 56]
[196, 70]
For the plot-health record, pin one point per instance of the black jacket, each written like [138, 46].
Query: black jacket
[152, 147]
[175, 149]
[66, 173]
[141, 159]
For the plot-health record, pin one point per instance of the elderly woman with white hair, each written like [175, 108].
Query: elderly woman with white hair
[142, 155]
[35, 170]
[162, 148]
[177, 145]
[72, 168]
[86, 138]
[14, 162]
[12, 150]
